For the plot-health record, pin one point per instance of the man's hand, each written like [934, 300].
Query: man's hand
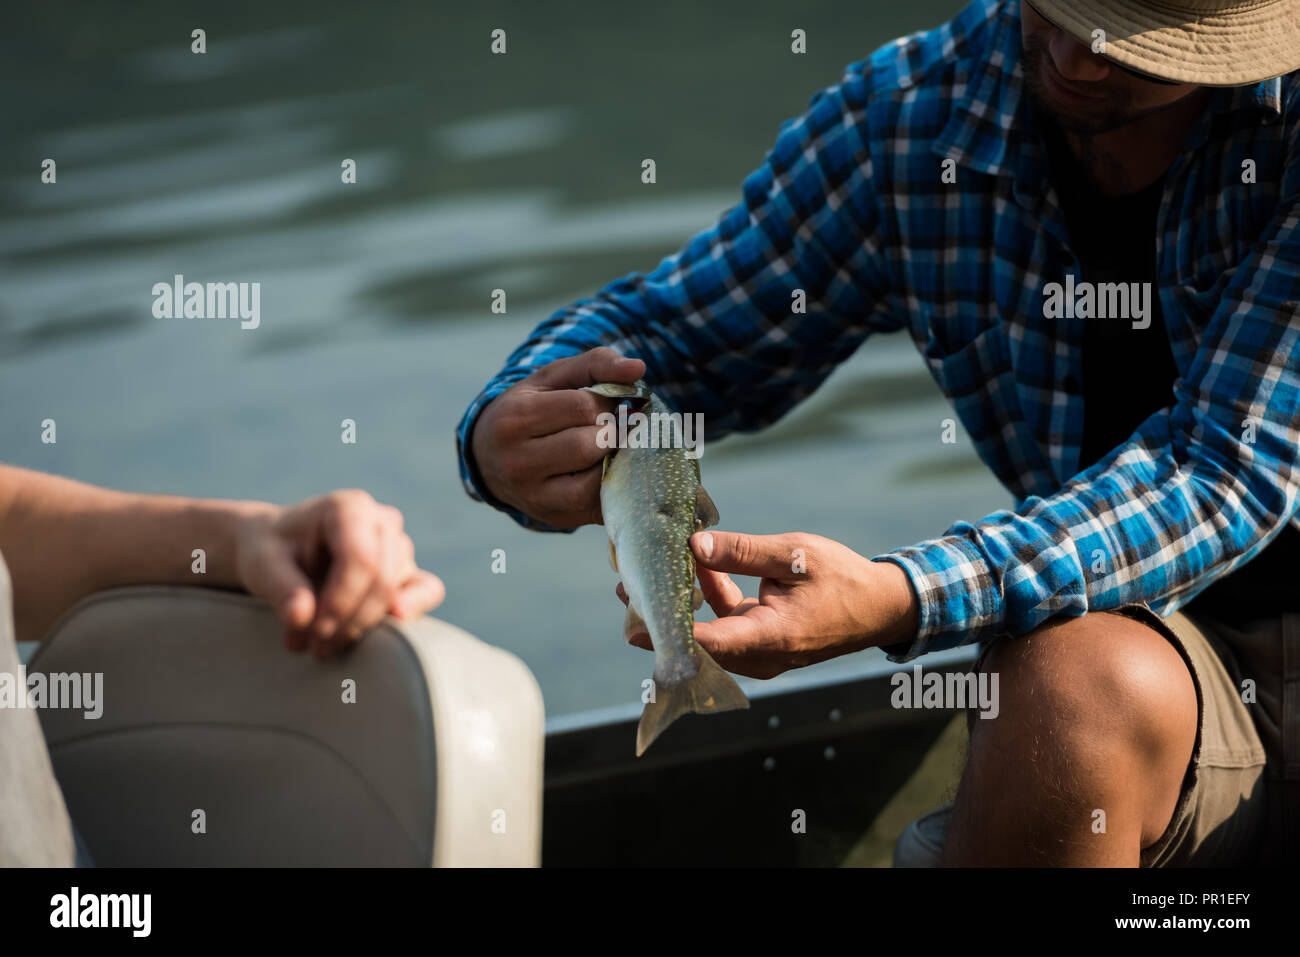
[333, 567]
[817, 600]
[535, 444]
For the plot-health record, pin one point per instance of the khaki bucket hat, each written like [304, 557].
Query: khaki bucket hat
[1207, 42]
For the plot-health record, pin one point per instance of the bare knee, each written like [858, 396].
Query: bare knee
[1105, 706]
[1104, 672]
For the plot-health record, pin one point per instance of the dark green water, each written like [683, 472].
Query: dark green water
[473, 172]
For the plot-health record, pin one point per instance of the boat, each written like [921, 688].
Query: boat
[425, 746]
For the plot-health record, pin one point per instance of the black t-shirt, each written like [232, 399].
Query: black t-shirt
[1129, 374]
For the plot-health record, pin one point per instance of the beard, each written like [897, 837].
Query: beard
[1110, 114]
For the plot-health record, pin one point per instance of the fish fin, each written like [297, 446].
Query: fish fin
[706, 513]
[697, 599]
[710, 689]
[619, 390]
[633, 624]
[613, 557]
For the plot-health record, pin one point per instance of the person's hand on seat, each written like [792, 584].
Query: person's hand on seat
[333, 567]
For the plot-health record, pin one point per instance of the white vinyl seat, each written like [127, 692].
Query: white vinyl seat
[218, 747]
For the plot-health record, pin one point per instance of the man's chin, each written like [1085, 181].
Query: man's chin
[1087, 126]
[1075, 121]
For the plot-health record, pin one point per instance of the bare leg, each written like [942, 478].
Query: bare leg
[1096, 729]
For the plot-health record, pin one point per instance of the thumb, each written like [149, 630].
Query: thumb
[762, 556]
[593, 366]
[276, 578]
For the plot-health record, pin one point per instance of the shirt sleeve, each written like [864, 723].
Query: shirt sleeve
[1198, 490]
[751, 316]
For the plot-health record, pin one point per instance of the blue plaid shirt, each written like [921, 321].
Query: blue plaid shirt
[850, 206]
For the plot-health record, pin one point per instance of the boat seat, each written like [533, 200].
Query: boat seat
[216, 746]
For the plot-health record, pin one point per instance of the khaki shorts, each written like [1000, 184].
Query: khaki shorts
[1240, 800]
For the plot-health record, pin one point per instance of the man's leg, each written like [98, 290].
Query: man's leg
[1086, 759]
[34, 827]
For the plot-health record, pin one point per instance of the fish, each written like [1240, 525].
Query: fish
[652, 502]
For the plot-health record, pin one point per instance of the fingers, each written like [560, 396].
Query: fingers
[573, 450]
[762, 556]
[747, 642]
[720, 591]
[352, 537]
[749, 637]
[546, 413]
[596, 365]
[641, 637]
[525, 415]
[740, 605]
[536, 474]
[544, 428]
[419, 594]
[569, 500]
[399, 587]
[722, 594]
[362, 551]
[270, 570]
[282, 584]
[394, 565]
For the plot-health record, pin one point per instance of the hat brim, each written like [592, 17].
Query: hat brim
[1247, 45]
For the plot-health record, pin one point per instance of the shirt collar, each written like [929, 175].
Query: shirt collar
[1264, 98]
[987, 120]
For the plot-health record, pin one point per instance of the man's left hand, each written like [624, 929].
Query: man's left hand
[817, 600]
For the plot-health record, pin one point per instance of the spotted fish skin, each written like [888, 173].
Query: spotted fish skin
[652, 502]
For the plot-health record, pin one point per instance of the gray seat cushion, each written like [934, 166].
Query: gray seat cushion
[217, 746]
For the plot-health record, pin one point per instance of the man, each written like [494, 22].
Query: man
[331, 567]
[960, 184]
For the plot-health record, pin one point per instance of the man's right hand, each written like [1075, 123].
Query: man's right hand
[535, 444]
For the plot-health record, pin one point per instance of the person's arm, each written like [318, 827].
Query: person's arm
[1200, 488]
[742, 324]
[1197, 491]
[331, 567]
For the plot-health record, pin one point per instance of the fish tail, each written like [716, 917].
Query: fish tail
[709, 689]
